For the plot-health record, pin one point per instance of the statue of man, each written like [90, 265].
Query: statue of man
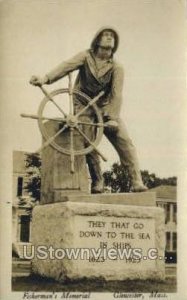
[98, 71]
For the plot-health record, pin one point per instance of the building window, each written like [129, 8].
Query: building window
[20, 186]
[167, 213]
[174, 241]
[168, 239]
[175, 213]
[25, 228]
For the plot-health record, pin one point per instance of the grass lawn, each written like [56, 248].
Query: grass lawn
[39, 284]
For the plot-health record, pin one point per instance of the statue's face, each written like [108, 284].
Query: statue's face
[107, 39]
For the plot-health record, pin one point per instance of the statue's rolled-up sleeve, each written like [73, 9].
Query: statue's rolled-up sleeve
[66, 67]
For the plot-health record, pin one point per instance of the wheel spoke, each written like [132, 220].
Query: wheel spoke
[71, 95]
[72, 155]
[93, 101]
[91, 143]
[92, 124]
[51, 99]
[52, 138]
[42, 118]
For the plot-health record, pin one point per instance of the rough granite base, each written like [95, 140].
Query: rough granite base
[78, 225]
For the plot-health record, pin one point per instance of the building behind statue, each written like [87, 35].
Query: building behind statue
[21, 206]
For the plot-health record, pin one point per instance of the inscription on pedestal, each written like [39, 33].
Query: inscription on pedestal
[127, 241]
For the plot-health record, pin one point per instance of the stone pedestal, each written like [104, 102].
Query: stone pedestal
[57, 180]
[95, 227]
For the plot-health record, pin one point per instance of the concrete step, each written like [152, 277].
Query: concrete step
[22, 268]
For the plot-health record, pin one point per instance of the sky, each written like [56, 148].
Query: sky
[37, 35]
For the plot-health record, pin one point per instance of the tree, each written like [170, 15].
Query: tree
[118, 179]
[151, 180]
[33, 182]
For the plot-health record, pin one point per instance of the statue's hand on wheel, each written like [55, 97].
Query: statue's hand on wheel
[37, 81]
[112, 125]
